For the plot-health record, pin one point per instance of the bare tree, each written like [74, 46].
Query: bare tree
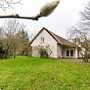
[84, 24]
[13, 39]
[81, 40]
[7, 4]
[11, 27]
[82, 32]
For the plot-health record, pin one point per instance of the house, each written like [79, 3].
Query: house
[48, 44]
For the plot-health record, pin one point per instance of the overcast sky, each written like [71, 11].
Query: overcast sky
[65, 15]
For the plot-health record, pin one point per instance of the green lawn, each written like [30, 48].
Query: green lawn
[27, 73]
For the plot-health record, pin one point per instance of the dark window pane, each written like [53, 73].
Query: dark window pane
[43, 39]
[71, 53]
[67, 53]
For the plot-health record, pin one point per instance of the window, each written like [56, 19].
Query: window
[42, 39]
[71, 52]
[67, 53]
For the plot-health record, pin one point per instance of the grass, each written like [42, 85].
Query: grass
[27, 73]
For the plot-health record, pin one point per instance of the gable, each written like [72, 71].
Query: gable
[48, 39]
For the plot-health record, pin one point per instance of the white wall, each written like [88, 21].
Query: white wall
[59, 51]
[76, 53]
[48, 40]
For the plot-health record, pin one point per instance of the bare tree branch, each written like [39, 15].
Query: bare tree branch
[45, 10]
[19, 17]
